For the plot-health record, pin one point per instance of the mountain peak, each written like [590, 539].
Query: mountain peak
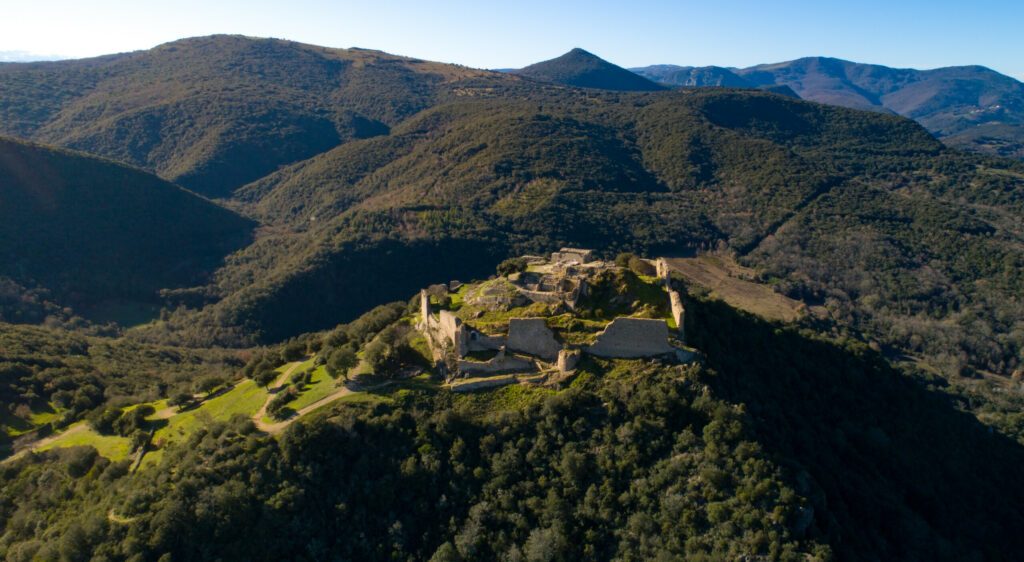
[584, 69]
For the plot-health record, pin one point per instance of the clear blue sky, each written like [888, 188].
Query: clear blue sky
[920, 34]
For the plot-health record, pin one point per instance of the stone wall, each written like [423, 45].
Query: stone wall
[482, 342]
[532, 336]
[485, 383]
[572, 255]
[446, 329]
[631, 338]
[451, 328]
[678, 310]
[541, 296]
[567, 359]
[501, 363]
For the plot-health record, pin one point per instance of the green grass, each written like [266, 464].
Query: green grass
[14, 426]
[503, 399]
[245, 399]
[457, 297]
[321, 386]
[114, 447]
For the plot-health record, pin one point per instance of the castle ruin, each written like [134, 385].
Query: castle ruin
[530, 346]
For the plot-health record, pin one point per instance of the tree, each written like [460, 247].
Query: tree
[511, 265]
[293, 351]
[264, 378]
[103, 420]
[341, 360]
[180, 399]
[206, 385]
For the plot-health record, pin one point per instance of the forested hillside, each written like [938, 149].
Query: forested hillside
[915, 246]
[213, 113]
[783, 446]
[87, 230]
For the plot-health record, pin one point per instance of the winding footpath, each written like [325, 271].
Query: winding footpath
[277, 427]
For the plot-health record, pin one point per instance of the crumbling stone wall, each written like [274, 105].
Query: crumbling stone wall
[482, 384]
[446, 329]
[678, 310]
[452, 329]
[482, 342]
[532, 336]
[500, 363]
[631, 338]
[567, 359]
[572, 255]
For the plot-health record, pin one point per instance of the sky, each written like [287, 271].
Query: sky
[898, 33]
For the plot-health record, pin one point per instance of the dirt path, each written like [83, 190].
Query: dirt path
[258, 416]
[46, 441]
[342, 392]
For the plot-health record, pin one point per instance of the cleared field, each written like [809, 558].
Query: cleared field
[321, 386]
[244, 399]
[114, 447]
[725, 279]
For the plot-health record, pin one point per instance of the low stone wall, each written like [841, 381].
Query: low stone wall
[482, 384]
[541, 296]
[631, 338]
[532, 336]
[499, 364]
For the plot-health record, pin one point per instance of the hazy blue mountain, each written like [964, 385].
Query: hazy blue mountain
[971, 107]
[692, 76]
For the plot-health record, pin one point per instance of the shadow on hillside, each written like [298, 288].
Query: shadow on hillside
[893, 470]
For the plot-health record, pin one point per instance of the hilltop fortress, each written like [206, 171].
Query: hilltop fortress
[540, 321]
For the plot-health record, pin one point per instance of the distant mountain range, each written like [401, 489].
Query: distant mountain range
[25, 56]
[970, 107]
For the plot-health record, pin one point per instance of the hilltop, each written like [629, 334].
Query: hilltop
[747, 451]
[90, 231]
[213, 113]
[585, 70]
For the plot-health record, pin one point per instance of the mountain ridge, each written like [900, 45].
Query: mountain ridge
[969, 106]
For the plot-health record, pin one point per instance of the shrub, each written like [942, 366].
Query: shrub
[180, 399]
[264, 378]
[511, 265]
[103, 420]
[206, 385]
